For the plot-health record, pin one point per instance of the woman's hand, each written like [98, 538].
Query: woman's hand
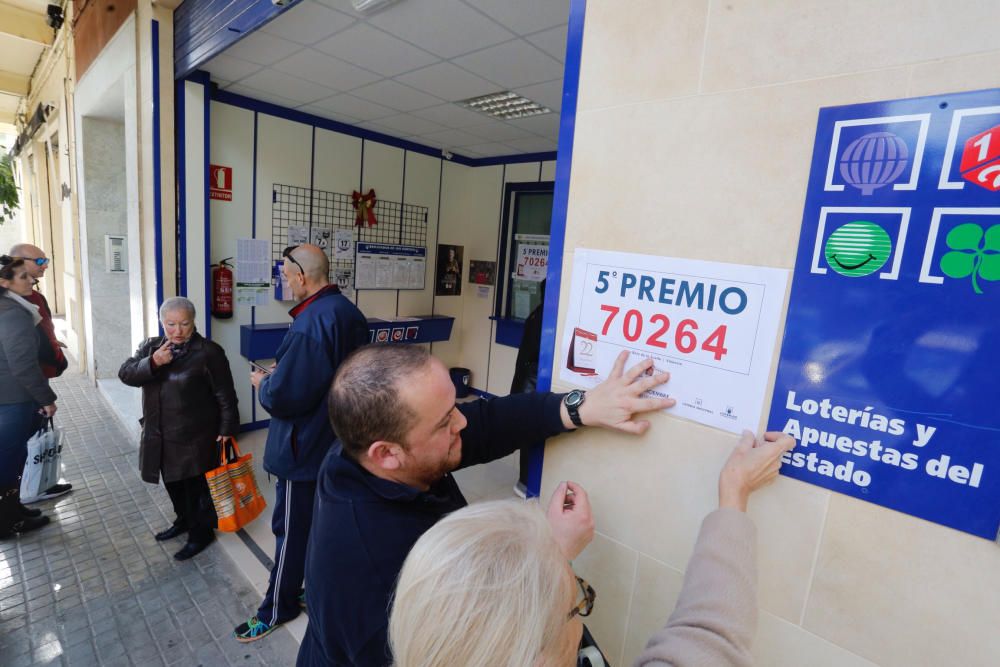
[571, 519]
[754, 463]
[48, 410]
[164, 355]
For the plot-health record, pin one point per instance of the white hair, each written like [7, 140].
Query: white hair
[487, 585]
[175, 303]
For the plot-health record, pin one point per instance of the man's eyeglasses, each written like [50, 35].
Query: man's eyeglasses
[586, 603]
[40, 261]
[287, 253]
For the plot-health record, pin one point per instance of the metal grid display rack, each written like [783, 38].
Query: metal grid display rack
[321, 211]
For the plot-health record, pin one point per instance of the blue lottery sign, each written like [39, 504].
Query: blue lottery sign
[889, 375]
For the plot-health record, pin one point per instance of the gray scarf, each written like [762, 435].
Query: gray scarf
[27, 305]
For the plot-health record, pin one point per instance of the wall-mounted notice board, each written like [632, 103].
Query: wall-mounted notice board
[891, 354]
[390, 266]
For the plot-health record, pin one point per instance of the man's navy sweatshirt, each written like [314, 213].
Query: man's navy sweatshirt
[364, 527]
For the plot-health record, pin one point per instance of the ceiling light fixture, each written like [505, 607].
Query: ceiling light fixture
[504, 105]
[370, 6]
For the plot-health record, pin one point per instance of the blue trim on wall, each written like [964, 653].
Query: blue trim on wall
[370, 135]
[157, 180]
[180, 159]
[560, 201]
[207, 121]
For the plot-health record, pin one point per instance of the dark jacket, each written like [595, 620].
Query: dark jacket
[526, 366]
[21, 377]
[364, 527]
[186, 404]
[50, 354]
[327, 327]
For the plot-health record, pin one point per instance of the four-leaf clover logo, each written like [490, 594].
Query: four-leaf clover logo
[973, 253]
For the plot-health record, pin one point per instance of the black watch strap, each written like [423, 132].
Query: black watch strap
[573, 401]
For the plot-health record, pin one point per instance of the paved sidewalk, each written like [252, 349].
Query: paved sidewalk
[95, 588]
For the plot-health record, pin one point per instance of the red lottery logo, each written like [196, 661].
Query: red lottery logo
[981, 159]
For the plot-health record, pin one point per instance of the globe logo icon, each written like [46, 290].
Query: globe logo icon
[873, 161]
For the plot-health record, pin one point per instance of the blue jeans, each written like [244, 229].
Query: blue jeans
[18, 422]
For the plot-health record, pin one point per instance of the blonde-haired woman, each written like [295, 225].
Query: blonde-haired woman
[491, 584]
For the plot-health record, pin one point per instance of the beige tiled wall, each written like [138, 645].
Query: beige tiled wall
[694, 132]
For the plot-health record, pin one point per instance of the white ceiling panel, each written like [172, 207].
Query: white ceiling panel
[400, 70]
[451, 115]
[349, 105]
[499, 131]
[479, 150]
[227, 68]
[449, 82]
[548, 94]
[326, 113]
[308, 24]
[261, 95]
[263, 49]
[291, 87]
[325, 70]
[535, 145]
[553, 42]
[397, 96]
[407, 124]
[379, 51]
[524, 18]
[446, 28]
[547, 125]
[451, 138]
[18, 56]
[512, 64]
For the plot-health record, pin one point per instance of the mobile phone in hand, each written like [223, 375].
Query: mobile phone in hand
[257, 367]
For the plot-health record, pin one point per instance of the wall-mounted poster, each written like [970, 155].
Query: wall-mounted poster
[888, 370]
[448, 281]
[389, 266]
[713, 326]
[482, 272]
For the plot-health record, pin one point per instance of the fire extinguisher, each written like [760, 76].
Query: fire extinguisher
[222, 289]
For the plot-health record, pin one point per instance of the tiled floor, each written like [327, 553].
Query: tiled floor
[95, 588]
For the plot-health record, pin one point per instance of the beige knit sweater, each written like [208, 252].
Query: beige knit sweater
[715, 619]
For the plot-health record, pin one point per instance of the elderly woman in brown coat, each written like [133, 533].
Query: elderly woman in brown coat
[188, 408]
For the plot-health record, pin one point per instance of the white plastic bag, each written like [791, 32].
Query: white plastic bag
[44, 465]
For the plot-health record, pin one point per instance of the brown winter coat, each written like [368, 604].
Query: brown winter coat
[186, 404]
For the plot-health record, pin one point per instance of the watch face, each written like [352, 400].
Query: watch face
[574, 398]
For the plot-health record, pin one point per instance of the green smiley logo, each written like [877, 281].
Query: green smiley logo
[857, 249]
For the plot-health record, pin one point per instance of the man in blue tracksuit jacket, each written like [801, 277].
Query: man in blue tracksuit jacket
[401, 435]
[326, 327]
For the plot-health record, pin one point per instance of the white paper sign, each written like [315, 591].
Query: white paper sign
[253, 272]
[343, 244]
[713, 326]
[532, 262]
[298, 234]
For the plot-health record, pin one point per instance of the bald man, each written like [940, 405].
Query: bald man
[50, 354]
[326, 327]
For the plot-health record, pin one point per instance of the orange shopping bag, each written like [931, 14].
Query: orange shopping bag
[234, 489]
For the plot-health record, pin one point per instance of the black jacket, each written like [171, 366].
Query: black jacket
[186, 404]
[364, 527]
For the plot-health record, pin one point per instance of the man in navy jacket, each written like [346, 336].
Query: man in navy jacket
[401, 435]
[326, 327]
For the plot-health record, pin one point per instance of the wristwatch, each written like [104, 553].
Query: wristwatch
[573, 400]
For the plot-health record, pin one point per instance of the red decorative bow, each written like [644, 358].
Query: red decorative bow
[364, 207]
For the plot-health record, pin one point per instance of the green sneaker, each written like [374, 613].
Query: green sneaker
[252, 630]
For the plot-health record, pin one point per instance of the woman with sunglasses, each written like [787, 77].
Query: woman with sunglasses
[492, 585]
[25, 395]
